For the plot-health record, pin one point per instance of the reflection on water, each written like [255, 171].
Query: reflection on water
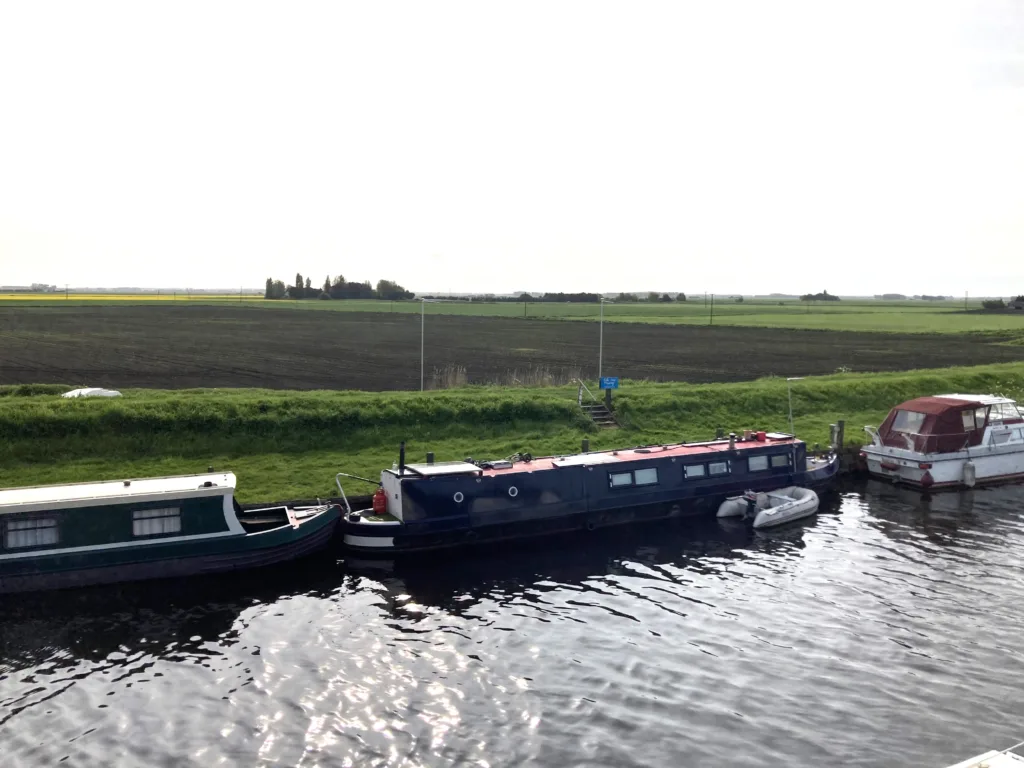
[668, 642]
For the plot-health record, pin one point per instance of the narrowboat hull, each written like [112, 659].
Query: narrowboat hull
[169, 559]
[383, 538]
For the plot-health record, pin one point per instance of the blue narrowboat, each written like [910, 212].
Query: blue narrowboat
[74, 535]
[432, 505]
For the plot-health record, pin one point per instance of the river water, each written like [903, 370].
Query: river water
[885, 631]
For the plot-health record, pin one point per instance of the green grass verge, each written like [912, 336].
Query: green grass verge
[290, 444]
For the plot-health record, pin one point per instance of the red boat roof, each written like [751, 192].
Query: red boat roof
[639, 453]
[936, 405]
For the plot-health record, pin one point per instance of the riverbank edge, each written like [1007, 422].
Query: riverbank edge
[289, 445]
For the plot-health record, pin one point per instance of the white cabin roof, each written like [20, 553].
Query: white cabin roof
[441, 468]
[88, 494]
[983, 399]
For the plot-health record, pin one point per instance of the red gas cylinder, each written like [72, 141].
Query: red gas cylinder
[380, 502]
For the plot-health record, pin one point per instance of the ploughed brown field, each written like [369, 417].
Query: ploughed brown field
[173, 347]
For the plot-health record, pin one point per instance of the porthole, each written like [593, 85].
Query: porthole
[458, 497]
[513, 491]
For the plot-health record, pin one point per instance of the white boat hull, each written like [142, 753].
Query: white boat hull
[963, 469]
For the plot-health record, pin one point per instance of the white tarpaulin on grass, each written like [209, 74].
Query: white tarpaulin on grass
[92, 392]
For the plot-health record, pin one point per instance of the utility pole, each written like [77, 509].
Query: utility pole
[423, 314]
[600, 343]
[789, 388]
[712, 320]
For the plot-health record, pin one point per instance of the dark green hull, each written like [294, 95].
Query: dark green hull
[172, 559]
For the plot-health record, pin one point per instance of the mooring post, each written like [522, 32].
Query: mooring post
[586, 445]
[840, 435]
[608, 399]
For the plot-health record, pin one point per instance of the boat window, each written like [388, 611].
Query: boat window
[757, 463]
[1004, 412]
[718, 468]
[646, 476]
[973, 418]
[980, 414]
[908, 421]
[32, 532]
[620, 479]
[694, 470]
[156, 522]
[780, 460]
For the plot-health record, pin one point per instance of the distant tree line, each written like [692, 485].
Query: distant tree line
[653, 296]
[562, 298]
[823, 296]
[552, 297]
[336, 288]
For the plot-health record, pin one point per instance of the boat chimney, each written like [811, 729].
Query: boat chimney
[586, 445]
[401, 458]
[430, 457]
[732, 441]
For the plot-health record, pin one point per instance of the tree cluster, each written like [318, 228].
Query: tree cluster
[823, 296]
[337, 288]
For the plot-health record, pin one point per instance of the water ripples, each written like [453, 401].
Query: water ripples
[881, 632]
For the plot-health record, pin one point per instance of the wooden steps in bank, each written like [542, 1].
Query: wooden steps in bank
[599, 414]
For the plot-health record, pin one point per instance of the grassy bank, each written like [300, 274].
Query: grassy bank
[290, 444]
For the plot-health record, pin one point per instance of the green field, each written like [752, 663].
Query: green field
[288, 445]
[846, 315]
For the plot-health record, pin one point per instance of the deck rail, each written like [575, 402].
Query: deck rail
[581, 389]
[344, 498]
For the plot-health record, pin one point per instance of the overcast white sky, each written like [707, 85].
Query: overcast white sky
[704, 146]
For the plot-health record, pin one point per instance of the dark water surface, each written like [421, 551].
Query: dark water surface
[887, 631]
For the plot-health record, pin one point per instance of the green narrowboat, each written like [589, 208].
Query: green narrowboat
[60, 536]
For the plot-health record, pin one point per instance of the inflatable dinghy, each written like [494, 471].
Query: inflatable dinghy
[772, 508]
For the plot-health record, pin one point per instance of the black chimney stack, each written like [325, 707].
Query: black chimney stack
[401, 458]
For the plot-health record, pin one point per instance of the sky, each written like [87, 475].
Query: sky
[733, 147]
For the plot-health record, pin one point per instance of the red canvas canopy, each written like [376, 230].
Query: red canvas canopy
[935, 424]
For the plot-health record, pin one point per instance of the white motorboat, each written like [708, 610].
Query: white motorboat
[773, 508]
[948, 441]
[1001, 758]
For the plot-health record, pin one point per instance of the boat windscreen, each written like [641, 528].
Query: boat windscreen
[908, 421]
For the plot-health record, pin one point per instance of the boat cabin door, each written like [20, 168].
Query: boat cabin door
[975, 420]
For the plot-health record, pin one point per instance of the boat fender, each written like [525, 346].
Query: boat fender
[927, 481]
[380, 502]
[591, 525]
[970, 474]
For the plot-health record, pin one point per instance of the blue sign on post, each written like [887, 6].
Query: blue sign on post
[609, 382]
